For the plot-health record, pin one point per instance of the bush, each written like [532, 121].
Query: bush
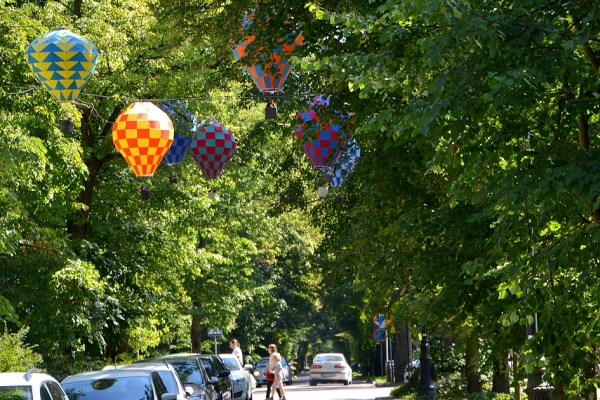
[402, 391]
[61, 367]
[15, 355]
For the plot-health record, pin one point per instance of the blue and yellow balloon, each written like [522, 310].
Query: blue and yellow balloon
[63, 61]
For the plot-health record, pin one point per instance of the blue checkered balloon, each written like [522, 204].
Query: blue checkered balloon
[185, 125]
[345, 163]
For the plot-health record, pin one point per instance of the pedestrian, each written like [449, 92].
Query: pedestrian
[236, 351]
[269, 371]
[279, 377]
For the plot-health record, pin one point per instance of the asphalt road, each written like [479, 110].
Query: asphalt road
[300, 390]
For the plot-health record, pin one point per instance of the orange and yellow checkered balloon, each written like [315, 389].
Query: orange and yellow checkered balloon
[143, 134]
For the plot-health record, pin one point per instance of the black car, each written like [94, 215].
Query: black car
[215, 368]
[192, 373]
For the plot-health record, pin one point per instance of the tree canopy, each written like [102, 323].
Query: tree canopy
[474, 206]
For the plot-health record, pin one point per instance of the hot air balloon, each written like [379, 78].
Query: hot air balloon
[344, 165]
[185, 125]
[143, 134]
[213, 147]
[270, 69]
[322, 141]
[63, 61]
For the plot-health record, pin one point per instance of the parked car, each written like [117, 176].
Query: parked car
[117, 384]
[167, 373]
[330, 367]
[215, 368]
[192, 373]
[261, 364]
[242, 379]
[30, 385]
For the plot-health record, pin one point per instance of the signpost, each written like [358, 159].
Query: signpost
[380, 335]
[215, 333]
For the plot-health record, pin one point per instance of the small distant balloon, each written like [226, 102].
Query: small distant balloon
[345, 163]
[270, 69]
[322, 141]
[185, 125]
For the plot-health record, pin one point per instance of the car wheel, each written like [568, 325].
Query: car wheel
[289, 381]
[346, 382]
[312, 383]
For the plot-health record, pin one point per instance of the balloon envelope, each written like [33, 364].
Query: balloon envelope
[323, 141]
[143, 133]
[268, 71]
[212, 148]
[63, 61]
[344, 165]
[185, 124]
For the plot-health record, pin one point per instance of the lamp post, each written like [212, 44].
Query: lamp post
[426, 386]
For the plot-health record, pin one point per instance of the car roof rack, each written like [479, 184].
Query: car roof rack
[31, 371]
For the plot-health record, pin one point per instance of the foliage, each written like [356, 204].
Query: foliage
[15, 354]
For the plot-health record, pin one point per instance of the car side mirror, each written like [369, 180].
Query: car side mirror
[224, 373]
[188, 390]
[249, 367]
[168, 396]
[214, 380]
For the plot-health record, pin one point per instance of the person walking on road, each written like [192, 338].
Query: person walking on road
[279, 377]
[269, 372]
[236, 351]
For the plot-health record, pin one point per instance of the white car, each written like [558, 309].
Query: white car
[242, 380]
[30, 385]
[330, 367]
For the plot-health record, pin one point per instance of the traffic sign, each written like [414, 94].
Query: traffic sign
[216, 332]
[379, 320]
[379, 335]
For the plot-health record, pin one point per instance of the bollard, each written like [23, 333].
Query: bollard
[426, 386]
[389, 371]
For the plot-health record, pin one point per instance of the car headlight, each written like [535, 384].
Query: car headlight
[256, 373]
[239, 381]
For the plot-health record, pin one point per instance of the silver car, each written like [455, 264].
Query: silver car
[261, 364]
[330, 367]
[117, 384]
[167, 373]
[242, 381]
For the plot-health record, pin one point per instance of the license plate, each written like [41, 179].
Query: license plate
[328, 375]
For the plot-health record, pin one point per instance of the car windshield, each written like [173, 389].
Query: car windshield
[262, 363]
[189, 372]
[114, 388]
[15, 393]
[231, 364]
[319, 359]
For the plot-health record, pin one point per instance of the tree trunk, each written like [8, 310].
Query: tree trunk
[472, 367]
[517, 384]
[590, 373]
[196, 332]
[77, 226]
[402, 351]
[501, 378]
[559, 391]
